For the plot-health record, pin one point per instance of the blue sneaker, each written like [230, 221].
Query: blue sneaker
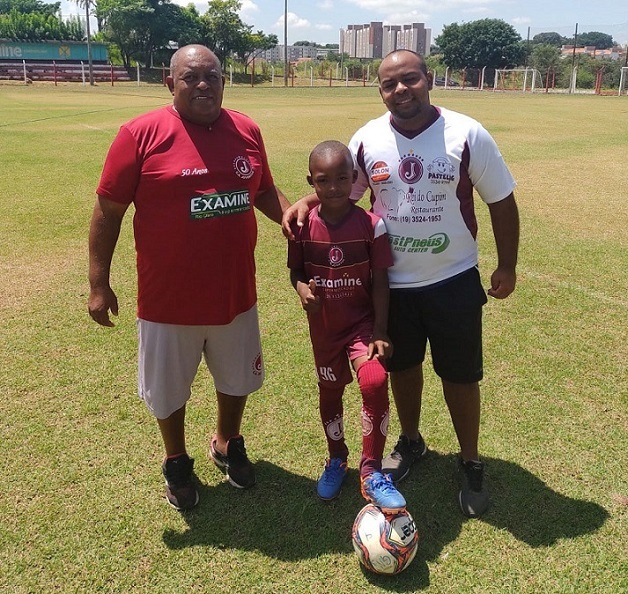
[330, 482]
[379, 489]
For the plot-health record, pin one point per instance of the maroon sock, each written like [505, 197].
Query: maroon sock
[373, 382]
[331, 411]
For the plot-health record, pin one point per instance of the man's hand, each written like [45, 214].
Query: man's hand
[502, 283]
[100, 303]
[380, 348]
[298, 211]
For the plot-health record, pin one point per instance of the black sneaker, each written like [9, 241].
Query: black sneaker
[473, 497]
[236, 464]
[403, 456]
[181, 490]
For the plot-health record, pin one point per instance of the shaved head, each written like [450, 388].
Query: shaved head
[192, 51]
[329, 149]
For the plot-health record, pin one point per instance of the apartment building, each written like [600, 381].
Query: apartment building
[376, 40]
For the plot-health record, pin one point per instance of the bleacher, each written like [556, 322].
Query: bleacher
[61, 72]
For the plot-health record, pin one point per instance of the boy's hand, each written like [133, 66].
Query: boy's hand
[310, 301]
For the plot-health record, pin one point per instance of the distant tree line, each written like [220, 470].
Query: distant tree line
[141, 31]
[494, 44]
[144, 31]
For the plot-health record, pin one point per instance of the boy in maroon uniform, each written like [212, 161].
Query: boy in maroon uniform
[339, 267]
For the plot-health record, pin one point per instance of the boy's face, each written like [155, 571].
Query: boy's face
[332, 176]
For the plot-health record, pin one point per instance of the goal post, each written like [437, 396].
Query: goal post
[623, 80]
[517, 79]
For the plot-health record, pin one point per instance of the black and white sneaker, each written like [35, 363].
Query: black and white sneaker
[235, 464]
[403, 456]
[181, 491]
[473, 496]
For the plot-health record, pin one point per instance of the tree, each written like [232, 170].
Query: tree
[34, 26]
[545, 57]
[140, 27]
[487, 42]
[29, 7]
[223, 31]
[551, 38]
[597, 39]
[254, 44]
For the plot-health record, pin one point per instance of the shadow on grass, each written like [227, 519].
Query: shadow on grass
[282, 518]
[521, 503]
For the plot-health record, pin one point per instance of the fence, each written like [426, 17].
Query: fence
[30, 71]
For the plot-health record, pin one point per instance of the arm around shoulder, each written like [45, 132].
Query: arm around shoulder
[298, 212]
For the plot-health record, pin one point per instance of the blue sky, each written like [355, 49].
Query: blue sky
[320, 20]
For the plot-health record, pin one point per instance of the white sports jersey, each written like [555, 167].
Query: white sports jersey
[422, 187]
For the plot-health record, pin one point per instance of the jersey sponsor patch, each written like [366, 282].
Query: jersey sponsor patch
[380, 172]
[435, 244]
[440, 170]
[221, 204]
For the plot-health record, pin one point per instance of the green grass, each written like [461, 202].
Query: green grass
[81, 507]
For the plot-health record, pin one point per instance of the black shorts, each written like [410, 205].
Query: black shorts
[449, 316]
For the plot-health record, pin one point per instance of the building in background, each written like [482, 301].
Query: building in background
[376, 40]
[613, 53]
[295, 53]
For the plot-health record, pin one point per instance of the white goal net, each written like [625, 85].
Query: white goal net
[517, 79]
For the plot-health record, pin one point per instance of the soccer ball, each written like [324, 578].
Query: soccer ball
[384, 543]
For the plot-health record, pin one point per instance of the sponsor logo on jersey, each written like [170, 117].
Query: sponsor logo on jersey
[440, 170]
[222, 204]
[242, 167]
[380, 172]
[410, 169]
[336, 256]
[337, 283]
[435, 244]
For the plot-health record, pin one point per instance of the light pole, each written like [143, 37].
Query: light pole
[285, 44]
[89, 44]
[86, 4]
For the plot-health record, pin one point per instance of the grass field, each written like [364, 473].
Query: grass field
[82, 506]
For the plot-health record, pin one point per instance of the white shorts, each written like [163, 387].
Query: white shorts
[169, 356]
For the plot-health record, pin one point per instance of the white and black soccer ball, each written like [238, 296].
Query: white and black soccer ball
[385, 543]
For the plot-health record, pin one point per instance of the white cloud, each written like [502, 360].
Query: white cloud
[412, 16]
[477, 10]
[521, 20]
[423, 7]
[248, 10]
[294, 22]
[324, 27]
[325, 5]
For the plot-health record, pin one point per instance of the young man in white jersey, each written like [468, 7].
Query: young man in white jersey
[421, 164]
